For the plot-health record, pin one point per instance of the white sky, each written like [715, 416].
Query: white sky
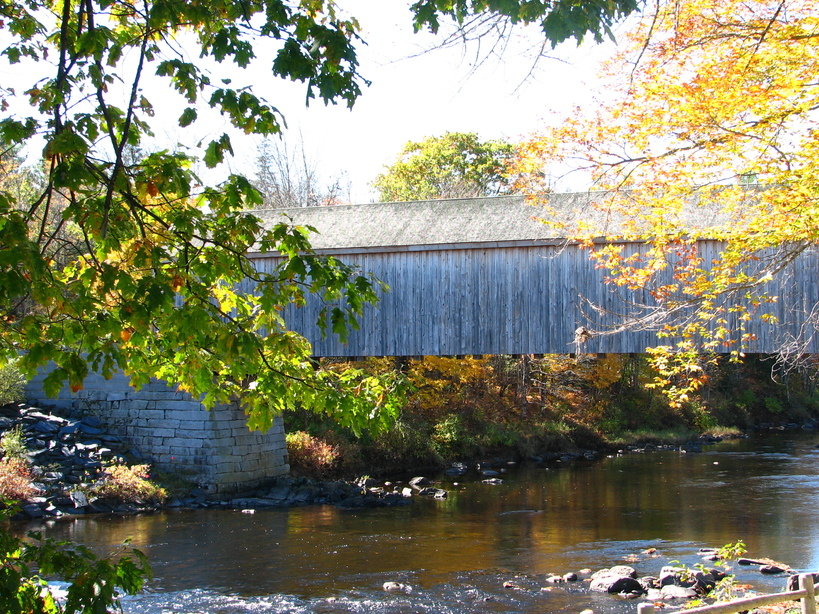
[413, 95]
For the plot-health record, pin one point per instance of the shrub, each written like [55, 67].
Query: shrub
[129, 484]
[448, 436]
[13, 443]
[310, 455]
[94, 584]
[15, 479]
[774, 406]
[12, 382]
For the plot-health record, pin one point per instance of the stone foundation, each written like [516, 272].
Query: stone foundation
[175, 433]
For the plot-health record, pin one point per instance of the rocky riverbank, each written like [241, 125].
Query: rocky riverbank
[672, 587]
[65, 457]
[69, 457]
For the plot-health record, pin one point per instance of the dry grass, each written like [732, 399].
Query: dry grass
[310, 455]
[129, 484]
[15, 479]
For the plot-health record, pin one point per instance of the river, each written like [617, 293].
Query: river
[458, 553]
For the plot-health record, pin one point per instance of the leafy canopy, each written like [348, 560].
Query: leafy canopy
[125, 260]
[94, 584]
[453, 165]
[715, 104]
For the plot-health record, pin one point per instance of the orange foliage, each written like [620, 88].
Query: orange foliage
[130, 484]
[708, 131]
[15, 479]
[310, 455]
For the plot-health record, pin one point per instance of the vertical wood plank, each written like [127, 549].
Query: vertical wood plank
[518, 300]
[808, 602]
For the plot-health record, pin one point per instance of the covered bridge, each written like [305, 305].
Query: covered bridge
[485, 276]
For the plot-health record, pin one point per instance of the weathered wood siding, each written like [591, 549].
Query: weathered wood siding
[516, 299]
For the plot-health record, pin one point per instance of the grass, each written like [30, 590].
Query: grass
[12, 382]
[723, 431]
[13, 443]
[310, 455]
[15, 480]
[176, 484]
[675, 435]
[129, 484]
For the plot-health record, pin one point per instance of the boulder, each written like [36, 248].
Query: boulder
[243, 503]
[45, 427]
[617, 579]
[457, 469]
[616, 584]
[396, 587]
[672, 591]
[705, 581]
[278, 493]
[78, 498]
[793, 581]
[771, 569]
[419, 482]
[32, 510]
[676, 576]
[649, 582]
[86, 429]
[91, 421]
[622, 570]
[744, 561]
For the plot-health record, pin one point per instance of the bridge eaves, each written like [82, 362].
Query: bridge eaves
[474, 222]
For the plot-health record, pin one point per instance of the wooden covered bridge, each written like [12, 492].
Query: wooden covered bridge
[484, 276]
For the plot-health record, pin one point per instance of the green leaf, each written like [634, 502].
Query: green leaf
[66, 142]
[215, 152]
[188, 117]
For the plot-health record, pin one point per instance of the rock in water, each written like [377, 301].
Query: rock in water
[793, 581]
[616, 584]
[771, 569]
[396, 587]
[617, 579]
[672, 591]
[622, 570]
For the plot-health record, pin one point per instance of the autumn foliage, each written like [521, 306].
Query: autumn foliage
[309, 455]
[708, 132]
[129, 484]
[16, 479]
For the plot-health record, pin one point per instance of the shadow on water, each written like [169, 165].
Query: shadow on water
[458, 553]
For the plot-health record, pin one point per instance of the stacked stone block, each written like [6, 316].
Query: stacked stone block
[176, 433]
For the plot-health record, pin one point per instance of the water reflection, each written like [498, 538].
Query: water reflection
[457, 553]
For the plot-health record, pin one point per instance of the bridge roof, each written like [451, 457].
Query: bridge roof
[500, 219]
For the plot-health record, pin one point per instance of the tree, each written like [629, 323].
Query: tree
[157, 282]
[93, 583]
[453, 165]
[289, 178]
[715, 107]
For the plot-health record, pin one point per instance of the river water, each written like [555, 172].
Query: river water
[458, 553]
